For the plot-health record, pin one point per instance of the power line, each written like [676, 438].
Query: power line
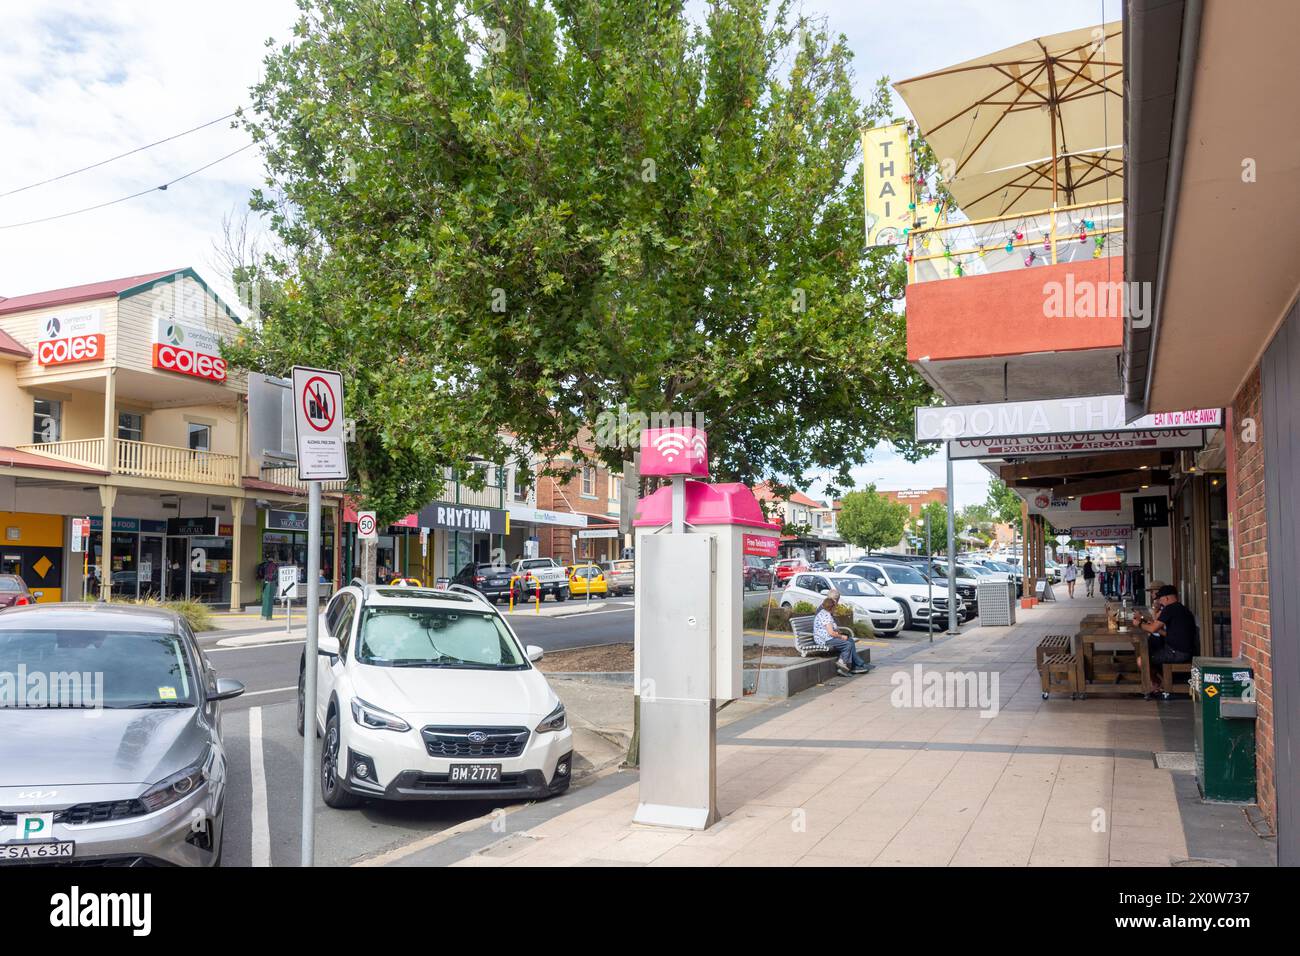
[112, 159]
[114, 202]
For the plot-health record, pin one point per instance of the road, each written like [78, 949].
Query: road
[264, 802]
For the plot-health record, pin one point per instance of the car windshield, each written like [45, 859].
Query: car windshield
[903, 574]
[92, 668]
[436, 637]
[855, 587]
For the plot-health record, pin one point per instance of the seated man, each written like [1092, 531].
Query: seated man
[1174, 639]
[828, 635]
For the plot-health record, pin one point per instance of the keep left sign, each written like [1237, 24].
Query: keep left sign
[318, 423]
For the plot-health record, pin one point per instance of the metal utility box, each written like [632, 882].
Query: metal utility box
[1223, 707]
[997, 602]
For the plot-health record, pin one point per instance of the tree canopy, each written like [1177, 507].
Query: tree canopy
[513, 216]
[870, 520]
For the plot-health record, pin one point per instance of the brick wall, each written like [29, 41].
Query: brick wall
[1250, 532]
[554, 495]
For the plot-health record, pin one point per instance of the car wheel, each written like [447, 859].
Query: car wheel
[562, 594]
[907, 615]
[302, 701]
[331, 790]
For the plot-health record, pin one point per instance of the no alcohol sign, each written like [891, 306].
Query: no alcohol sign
[318, 422]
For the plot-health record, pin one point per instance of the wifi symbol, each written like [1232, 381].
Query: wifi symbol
[699, 449]
[670, 445]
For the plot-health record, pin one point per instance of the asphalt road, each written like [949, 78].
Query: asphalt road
[263, 816]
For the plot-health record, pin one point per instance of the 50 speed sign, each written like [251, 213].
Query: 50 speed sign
[318, 424]
[366, 527]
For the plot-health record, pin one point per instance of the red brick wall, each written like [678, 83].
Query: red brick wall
[915, 502]
[1250, 533]
[554, 495]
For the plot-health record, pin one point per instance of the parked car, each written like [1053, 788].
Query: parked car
[490, 580]
[788, 566]
[757, 574]
[128, 787]
[870, 605]
[588, 579]
[909, 588]
[821, 566]
[13, 591]
[1000, 567]
[967, 585]
[429, 695]
[620, 575]
[544, 575]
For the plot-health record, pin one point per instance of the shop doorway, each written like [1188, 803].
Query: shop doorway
[178, 566]
[150, 570]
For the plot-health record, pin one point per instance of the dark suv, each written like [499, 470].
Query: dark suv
[490, 580]
[758, 575]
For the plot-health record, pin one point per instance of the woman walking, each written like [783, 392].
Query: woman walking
[1070, 575]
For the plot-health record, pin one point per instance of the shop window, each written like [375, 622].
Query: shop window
[47, 424]
[200, 437]
[130, 426]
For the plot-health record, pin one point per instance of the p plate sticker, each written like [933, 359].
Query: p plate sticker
[166, 693]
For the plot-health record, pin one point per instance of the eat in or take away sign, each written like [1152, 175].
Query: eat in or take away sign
[318, 423]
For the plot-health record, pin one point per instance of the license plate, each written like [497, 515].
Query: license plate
[15, 852]
[476, 773]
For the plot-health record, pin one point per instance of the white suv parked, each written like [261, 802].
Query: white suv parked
[427, 694]
[870, 605]
[909, 589]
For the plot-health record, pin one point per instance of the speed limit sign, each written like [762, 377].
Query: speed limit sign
[366, 526]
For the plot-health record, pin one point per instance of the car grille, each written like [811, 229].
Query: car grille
[941, 602]
[437, 781]
[884, 621]
[87, 813]
[455, 742]
[967, 592]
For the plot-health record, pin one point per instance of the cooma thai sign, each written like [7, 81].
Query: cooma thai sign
[1058, 416]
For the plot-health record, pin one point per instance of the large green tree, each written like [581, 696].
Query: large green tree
[517, 215]
[870, 520]
[1004, 504]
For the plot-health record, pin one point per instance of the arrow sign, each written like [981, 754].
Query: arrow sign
[318, 424]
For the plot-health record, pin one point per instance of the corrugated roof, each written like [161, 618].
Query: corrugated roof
[79, 293]
[22, 459]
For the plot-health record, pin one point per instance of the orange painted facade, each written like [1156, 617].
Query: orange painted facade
[1005, 313]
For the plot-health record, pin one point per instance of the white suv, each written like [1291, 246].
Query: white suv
[909, 589]
[427, 694]
[870, 605]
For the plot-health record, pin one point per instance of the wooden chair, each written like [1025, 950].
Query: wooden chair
[1053, 644]
[1059, 672]
[1167, 675]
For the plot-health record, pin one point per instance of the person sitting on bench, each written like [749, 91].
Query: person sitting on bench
[1174, 635]
[828, 635]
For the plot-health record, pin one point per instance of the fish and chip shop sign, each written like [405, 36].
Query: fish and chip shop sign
[1059, 416]
[1081, 443]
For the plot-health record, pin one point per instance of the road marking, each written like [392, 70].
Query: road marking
[224, 646]
[273, 690]
[261, 822]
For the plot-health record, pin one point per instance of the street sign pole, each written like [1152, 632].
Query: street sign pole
[322, 455]
[929, 580]
[952, 558]
[312, 656]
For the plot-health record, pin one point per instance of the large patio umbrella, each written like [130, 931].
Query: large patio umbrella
[1038, 124]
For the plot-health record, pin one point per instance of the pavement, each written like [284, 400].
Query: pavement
[851, 774]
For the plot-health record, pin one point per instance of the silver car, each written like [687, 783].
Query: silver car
[110, 738]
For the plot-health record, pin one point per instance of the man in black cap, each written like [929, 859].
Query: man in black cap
[1174, 639]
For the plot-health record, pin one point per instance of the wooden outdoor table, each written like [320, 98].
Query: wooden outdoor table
[1094, 639]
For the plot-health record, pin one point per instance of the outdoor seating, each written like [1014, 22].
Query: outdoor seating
[1169, 673]
[1059, 672]
[802, 628]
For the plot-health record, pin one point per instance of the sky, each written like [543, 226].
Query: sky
[83, 80]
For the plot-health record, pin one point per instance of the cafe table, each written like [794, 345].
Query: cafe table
[1098, 638]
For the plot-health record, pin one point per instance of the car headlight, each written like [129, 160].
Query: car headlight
[917, 599]
[555, 720]
[178, 786]
[376, 718]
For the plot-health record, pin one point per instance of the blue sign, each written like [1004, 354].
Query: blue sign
[130, 525]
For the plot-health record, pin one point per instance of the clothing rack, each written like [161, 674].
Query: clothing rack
[1119, 583]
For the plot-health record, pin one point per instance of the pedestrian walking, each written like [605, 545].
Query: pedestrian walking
[828, 635]
[268, 572]
[1089, 577]
[1070, 575]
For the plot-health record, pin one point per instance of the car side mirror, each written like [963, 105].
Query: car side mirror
[880, 580]
[327, 646]
[534, 652]
[227, 688]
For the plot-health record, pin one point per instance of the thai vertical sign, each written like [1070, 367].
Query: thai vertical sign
[887, 182]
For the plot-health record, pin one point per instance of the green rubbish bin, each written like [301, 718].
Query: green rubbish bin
[1223, 705]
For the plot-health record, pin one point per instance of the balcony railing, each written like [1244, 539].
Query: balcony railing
[1024, 240]
[146, 460]
[287, 475]
[490, 496]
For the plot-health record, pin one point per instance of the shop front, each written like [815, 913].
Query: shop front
[174, 559]
[284, 540]
[33, 550]
[472, 533]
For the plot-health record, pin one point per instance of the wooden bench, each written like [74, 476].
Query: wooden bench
[1167, 675]
[802, 628]
[1059, 672]
[1052, 644]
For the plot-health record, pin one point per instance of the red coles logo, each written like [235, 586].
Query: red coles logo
[78, 348]
[175, 359]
